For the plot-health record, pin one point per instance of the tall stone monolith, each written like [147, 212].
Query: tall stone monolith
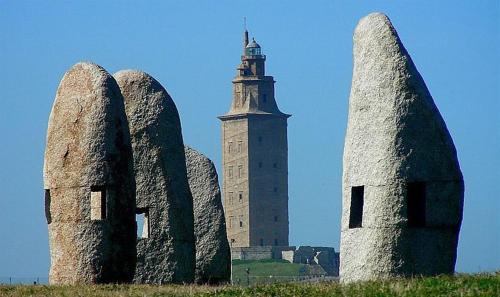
[88, 181]
[166, 245]
[402, 185]
[213, 256]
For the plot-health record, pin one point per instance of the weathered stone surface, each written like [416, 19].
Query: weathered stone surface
[396, 137]
[167, 255]
[88, 154]
[326, 257]
[213, 256]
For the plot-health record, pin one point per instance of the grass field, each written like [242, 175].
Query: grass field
[263, 271]
[268, 267]
[463, 285]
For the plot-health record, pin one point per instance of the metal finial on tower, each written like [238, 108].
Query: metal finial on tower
[245, 34]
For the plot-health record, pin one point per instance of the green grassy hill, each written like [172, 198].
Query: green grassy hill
[486, 285]
[270, 271]
[262, 270]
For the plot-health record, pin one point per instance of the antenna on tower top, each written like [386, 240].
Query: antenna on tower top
[245, 34]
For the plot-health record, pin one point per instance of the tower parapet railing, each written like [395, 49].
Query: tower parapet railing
[252, 57]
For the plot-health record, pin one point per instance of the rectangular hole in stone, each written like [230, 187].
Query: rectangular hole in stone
[98, 203]
[48, 215]
[143, 223]
[415, 195]
[356, 212]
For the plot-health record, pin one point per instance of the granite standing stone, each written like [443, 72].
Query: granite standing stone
[402, 185]
[88, 181]
[213, 256]
[166, 247]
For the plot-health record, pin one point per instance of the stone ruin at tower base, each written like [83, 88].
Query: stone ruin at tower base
[326, 258]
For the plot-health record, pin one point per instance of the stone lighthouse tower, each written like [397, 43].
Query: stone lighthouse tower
[255, 157]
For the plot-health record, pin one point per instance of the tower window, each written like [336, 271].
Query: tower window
[260, 164]
[262, 242]
[264, 98]
[240, 146]
[231, 198]
[356, 213]
[240, 196]
[97, 203]
[275, 165]
[230, 171]
[48, 215]
[230, 147]
[259, 138]
[415, 195]
[275, 218]
[232, 241]
[275, 189]
[143, 222]
[241, 224]
[275, 241]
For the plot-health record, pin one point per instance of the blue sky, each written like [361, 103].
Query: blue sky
[193, 49]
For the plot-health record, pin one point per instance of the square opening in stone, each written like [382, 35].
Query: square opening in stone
[97, 203]
[415, 199]
[356, 211]
[48, 215]
[143, 222]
